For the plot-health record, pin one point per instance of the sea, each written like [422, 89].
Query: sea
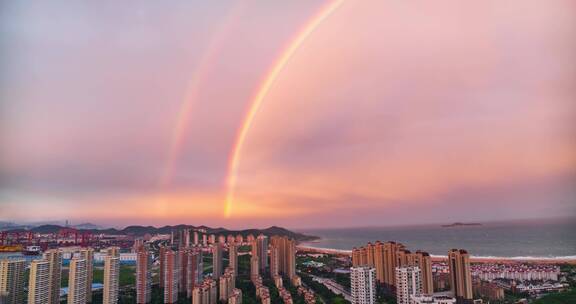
[528, 239]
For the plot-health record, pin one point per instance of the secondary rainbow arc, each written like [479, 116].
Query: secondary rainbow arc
[185, 112]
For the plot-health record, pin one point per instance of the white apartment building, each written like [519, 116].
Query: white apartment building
[363, 285]
[111, 280]
[124, 257]
[408, 283]
[39, 282]
[77, 280]
[12, 281]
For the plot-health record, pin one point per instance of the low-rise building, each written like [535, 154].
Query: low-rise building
[489, 290]
[518, 272]
[431, 299]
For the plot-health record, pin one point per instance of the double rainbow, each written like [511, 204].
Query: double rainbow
[185, 112]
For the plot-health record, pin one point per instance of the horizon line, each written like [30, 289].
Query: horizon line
[290, 227]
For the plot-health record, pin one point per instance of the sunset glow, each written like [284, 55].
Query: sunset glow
[296, 113]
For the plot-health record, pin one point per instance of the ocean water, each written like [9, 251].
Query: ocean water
[526, 239]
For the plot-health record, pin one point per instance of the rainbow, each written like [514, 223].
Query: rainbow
[184, 116]
[263, 90]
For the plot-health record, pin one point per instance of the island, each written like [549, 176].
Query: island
[458, 224]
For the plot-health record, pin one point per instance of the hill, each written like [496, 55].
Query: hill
[142, 230]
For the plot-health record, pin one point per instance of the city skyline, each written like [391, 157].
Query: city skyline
[378, 271]
[298, 114]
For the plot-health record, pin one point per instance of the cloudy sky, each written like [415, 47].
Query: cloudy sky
[295, 113]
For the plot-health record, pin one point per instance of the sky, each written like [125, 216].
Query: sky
[293, 113]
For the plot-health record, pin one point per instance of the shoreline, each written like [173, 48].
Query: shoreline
[475, 259]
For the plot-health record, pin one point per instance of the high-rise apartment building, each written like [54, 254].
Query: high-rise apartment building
[196, 239]
[54, 258]
[254, 266]
[424, 262]
[227, 284]
[205, 293]
[191, 266]
[286, 255]
[379, 261]
[262, 251]
[192, 269]
[12, 281]
[274, 261]
[183, 263]
[77, 279]
[200, 295]
[233, 257]
[363, 285]
[213, 290]
[236, 297]
[111, 279]
[171, 276]
[143, 277]
[460, 276]
[184, 241]
[386, 256]
[87, 254]
[162, 270]
[217, 260]
[138, 245]
[253, 247]
[356, 256]
[278, 281]
[359, 257]
[380, 255]
[221, 239]
[403, 258]
[200, 266]
[113, 251]
[408, 283]
[370, 254]
[39, 282]
[230, 239]
[391, 259]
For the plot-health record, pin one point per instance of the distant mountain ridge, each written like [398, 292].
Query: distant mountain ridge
[4, 226]
[87, 226]
[142, 230]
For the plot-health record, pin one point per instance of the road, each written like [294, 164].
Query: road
[334, 287]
